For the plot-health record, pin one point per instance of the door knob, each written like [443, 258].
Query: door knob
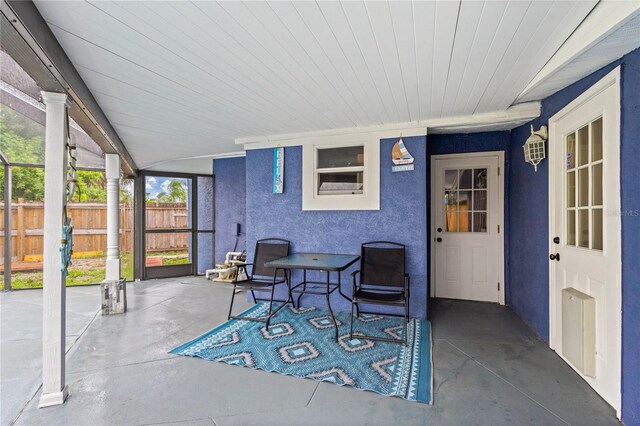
[439, 230]
[439, 239]
[555, 256]
[556, 240]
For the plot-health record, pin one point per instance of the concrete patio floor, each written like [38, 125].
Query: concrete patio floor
[489, 368]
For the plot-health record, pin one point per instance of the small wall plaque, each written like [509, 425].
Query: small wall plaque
[402, 168]
[278, 170]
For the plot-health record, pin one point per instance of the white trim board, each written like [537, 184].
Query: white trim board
[501, 199]
[495, 120]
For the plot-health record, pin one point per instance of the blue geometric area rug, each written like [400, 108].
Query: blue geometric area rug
[301, 342]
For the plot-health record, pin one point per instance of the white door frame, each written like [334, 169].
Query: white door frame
[555, 337]
[435, 203]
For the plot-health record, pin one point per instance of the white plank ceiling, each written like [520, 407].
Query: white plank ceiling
[184, 79]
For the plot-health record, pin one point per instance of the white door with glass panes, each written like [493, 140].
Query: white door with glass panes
[584, 246]
[467, 225]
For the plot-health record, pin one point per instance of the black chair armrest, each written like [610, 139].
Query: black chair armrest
[353, 287]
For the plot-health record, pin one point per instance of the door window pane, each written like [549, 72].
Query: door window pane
[583, 146]
[583, 187]
[464, 201]
[464, 222]
[480, 200]
[451, 220]
[571, 189]
[584, 191]
[571, 151]
[571, 227]
[466, 198]
[596, 140]
[479, 222]
[465, 178]
[583, 228]
[349, 156]
[451, 179]
[340, 183]
[596, 229]
[596, 185]
[480, 179]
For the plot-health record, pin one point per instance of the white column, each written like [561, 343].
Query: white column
[54, 389]
[113, 216]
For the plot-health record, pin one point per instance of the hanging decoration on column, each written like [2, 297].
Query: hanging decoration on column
[66, 242]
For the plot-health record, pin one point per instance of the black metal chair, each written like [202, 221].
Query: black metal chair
[383, 281]
[263, 279]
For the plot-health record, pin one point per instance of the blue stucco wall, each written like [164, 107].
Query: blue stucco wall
[230, 202]
[401, 218]
[478, 142]
[468, 142]
[528, 197]
[205, 223]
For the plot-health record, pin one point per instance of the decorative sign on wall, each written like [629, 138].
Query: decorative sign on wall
[402, 159]
[278, 170]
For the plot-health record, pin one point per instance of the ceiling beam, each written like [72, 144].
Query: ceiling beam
[604, 20]
[30, 25]
[508, 119]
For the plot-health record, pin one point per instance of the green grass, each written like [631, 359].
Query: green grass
[180, 257]
[77, 275]
[175, 260]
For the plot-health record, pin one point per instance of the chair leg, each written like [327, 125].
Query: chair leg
[406, 323]
[351, 329]
[406, 320]
[233, 296]
[253, 294]
[273, 287]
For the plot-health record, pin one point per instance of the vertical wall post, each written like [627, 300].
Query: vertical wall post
[54, 389]
[139, 212]
[7, 227]
[113, 217]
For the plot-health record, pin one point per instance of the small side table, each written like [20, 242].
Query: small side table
[324, 262]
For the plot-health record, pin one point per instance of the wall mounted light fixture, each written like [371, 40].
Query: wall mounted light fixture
[534, 151]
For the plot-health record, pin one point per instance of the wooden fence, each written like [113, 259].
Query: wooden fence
[90, 228]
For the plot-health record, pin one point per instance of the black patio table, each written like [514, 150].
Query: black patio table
[324, 262]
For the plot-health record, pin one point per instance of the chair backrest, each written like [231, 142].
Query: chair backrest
[266, 250]
[382, 264]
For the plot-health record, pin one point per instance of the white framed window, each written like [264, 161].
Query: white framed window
[341, 173]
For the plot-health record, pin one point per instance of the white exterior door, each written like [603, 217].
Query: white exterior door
[467, 217]
[584, 220]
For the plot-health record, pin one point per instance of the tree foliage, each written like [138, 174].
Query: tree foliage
[22, 141]
[175, 192]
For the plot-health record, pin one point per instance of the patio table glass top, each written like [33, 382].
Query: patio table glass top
[314, 261]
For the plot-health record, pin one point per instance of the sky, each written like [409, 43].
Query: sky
[157, 184]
